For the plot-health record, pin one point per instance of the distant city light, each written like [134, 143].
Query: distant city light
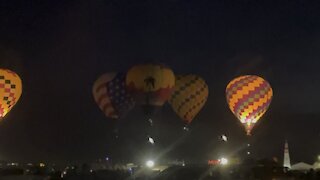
[185, 128]
[107, 158]
[42, 165]
[223, 161]
[248, 153]
[149, 163]
[248, 145]
[12, 164]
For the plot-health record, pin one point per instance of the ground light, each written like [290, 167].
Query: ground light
[149, 163]
[223, 161]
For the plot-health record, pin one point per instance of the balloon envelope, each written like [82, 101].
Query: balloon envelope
[111, 95]
[10, 90]
[248, 98]
[151, 84]
[189, 96]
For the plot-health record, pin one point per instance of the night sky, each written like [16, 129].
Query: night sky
[59, 48]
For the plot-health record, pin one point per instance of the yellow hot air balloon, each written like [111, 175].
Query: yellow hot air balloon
[151, 84]
[249, 98]
[10, 90]
[189, 96]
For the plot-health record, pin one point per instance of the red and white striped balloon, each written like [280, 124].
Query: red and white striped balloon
[109, 92]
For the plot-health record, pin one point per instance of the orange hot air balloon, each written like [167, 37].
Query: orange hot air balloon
[189, 96]
[248, 98]
[10, 90]
[151, 84]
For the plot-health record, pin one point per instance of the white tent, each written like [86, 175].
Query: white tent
[316, 165]
[301, 166]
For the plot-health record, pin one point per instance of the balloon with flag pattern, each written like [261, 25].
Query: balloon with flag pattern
[111, 95]
[10, 90]
[248, 98]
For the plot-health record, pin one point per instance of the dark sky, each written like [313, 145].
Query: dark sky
[60, 47]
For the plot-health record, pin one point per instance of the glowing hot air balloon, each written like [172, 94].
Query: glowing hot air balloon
[151, 84]
[189, 96]
[10, 90]
[110, 93]
[249, 98]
